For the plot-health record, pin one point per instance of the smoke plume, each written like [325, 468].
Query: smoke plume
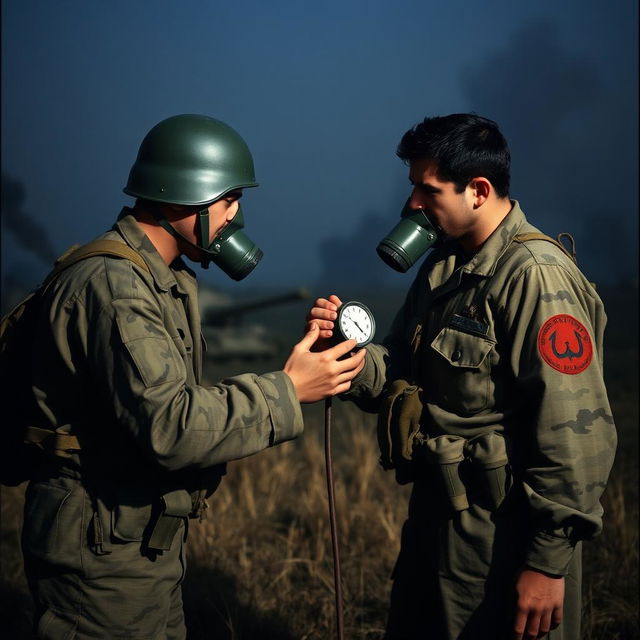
[31, 235]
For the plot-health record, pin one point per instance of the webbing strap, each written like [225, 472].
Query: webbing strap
[62, 444]
[524, 237]
[95, 248]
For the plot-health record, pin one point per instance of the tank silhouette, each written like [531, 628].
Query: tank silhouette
[226, 334]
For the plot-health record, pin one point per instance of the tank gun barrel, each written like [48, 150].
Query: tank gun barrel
[224, 315]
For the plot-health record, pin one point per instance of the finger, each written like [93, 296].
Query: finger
[342, 388]
[318, 313]
[519, 624]
[352, 362]
[342, 378]
[556, 617]
[335, 300]
[533, 625]
[346, 376]
[545, 624]
[322, 324]
[360, 367]
[310, 337]
[323, 303]
[341, 349]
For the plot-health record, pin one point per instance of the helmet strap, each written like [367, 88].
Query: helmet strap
[203, 218]
[203, 230]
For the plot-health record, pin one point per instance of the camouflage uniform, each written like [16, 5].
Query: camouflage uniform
[118, 360]
[508, 342]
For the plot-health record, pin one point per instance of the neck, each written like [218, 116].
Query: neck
[165, 244]
[490, 214]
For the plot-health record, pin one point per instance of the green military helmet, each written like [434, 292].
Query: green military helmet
[193, 160]
[190, 160]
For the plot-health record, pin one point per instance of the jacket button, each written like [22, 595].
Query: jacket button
[456, 355]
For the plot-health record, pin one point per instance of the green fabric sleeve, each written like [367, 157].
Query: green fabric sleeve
[569, 439]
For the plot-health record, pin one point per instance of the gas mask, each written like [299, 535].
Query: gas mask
[409, 240]
[231, 249]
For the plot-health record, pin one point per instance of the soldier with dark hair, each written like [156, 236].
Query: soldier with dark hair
[491, 400]
[140, 442]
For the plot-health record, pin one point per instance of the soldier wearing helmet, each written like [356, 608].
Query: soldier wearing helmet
[196, 163]
[117, 367]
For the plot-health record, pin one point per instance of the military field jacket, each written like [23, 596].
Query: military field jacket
[510, 340]
[118, 360]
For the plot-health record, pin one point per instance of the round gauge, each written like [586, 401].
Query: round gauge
[356, 322]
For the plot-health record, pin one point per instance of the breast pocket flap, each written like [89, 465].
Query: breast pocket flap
[462, 349]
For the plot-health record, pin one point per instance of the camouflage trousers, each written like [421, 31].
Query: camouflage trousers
[80, 591]
[455, 576]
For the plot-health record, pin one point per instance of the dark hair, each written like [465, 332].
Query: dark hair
[463, 146]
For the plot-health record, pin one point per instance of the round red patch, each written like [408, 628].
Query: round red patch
[565, 344]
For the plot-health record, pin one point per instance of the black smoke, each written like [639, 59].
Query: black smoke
[31, 235]
[572, 130]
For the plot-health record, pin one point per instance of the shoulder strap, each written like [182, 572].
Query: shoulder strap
[524, 237]
[62, 444]
[95, 248]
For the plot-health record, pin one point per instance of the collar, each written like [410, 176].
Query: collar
[485, 261]
[447, 273]
[165, 276]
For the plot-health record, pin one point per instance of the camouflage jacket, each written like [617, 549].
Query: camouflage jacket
[118, 360]
[510, 341]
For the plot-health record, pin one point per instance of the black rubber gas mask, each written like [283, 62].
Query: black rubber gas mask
[409, 240]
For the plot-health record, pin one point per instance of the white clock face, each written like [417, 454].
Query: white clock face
[356, 322]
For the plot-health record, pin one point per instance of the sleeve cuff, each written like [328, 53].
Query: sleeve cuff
[370, 381]
[284, 408]
[549, 553]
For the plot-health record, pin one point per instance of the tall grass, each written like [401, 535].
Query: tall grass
[261, 564]
[268, 528]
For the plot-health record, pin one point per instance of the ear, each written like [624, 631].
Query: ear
[481, 189]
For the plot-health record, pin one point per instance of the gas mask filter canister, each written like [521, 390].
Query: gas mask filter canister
[409, 240]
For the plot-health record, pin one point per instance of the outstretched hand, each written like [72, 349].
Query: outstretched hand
[319, 375]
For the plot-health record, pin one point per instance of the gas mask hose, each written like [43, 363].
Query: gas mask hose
[337, 577]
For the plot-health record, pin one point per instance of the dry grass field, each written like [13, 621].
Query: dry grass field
[261, 564]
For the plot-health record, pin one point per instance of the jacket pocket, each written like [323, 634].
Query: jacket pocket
[150, 349]
[53, 522]
[461, 371]
[131, 516]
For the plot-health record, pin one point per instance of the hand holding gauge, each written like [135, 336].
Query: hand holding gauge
[340, 321]
[325, 361]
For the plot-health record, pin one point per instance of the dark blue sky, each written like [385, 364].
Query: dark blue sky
[322, 92]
